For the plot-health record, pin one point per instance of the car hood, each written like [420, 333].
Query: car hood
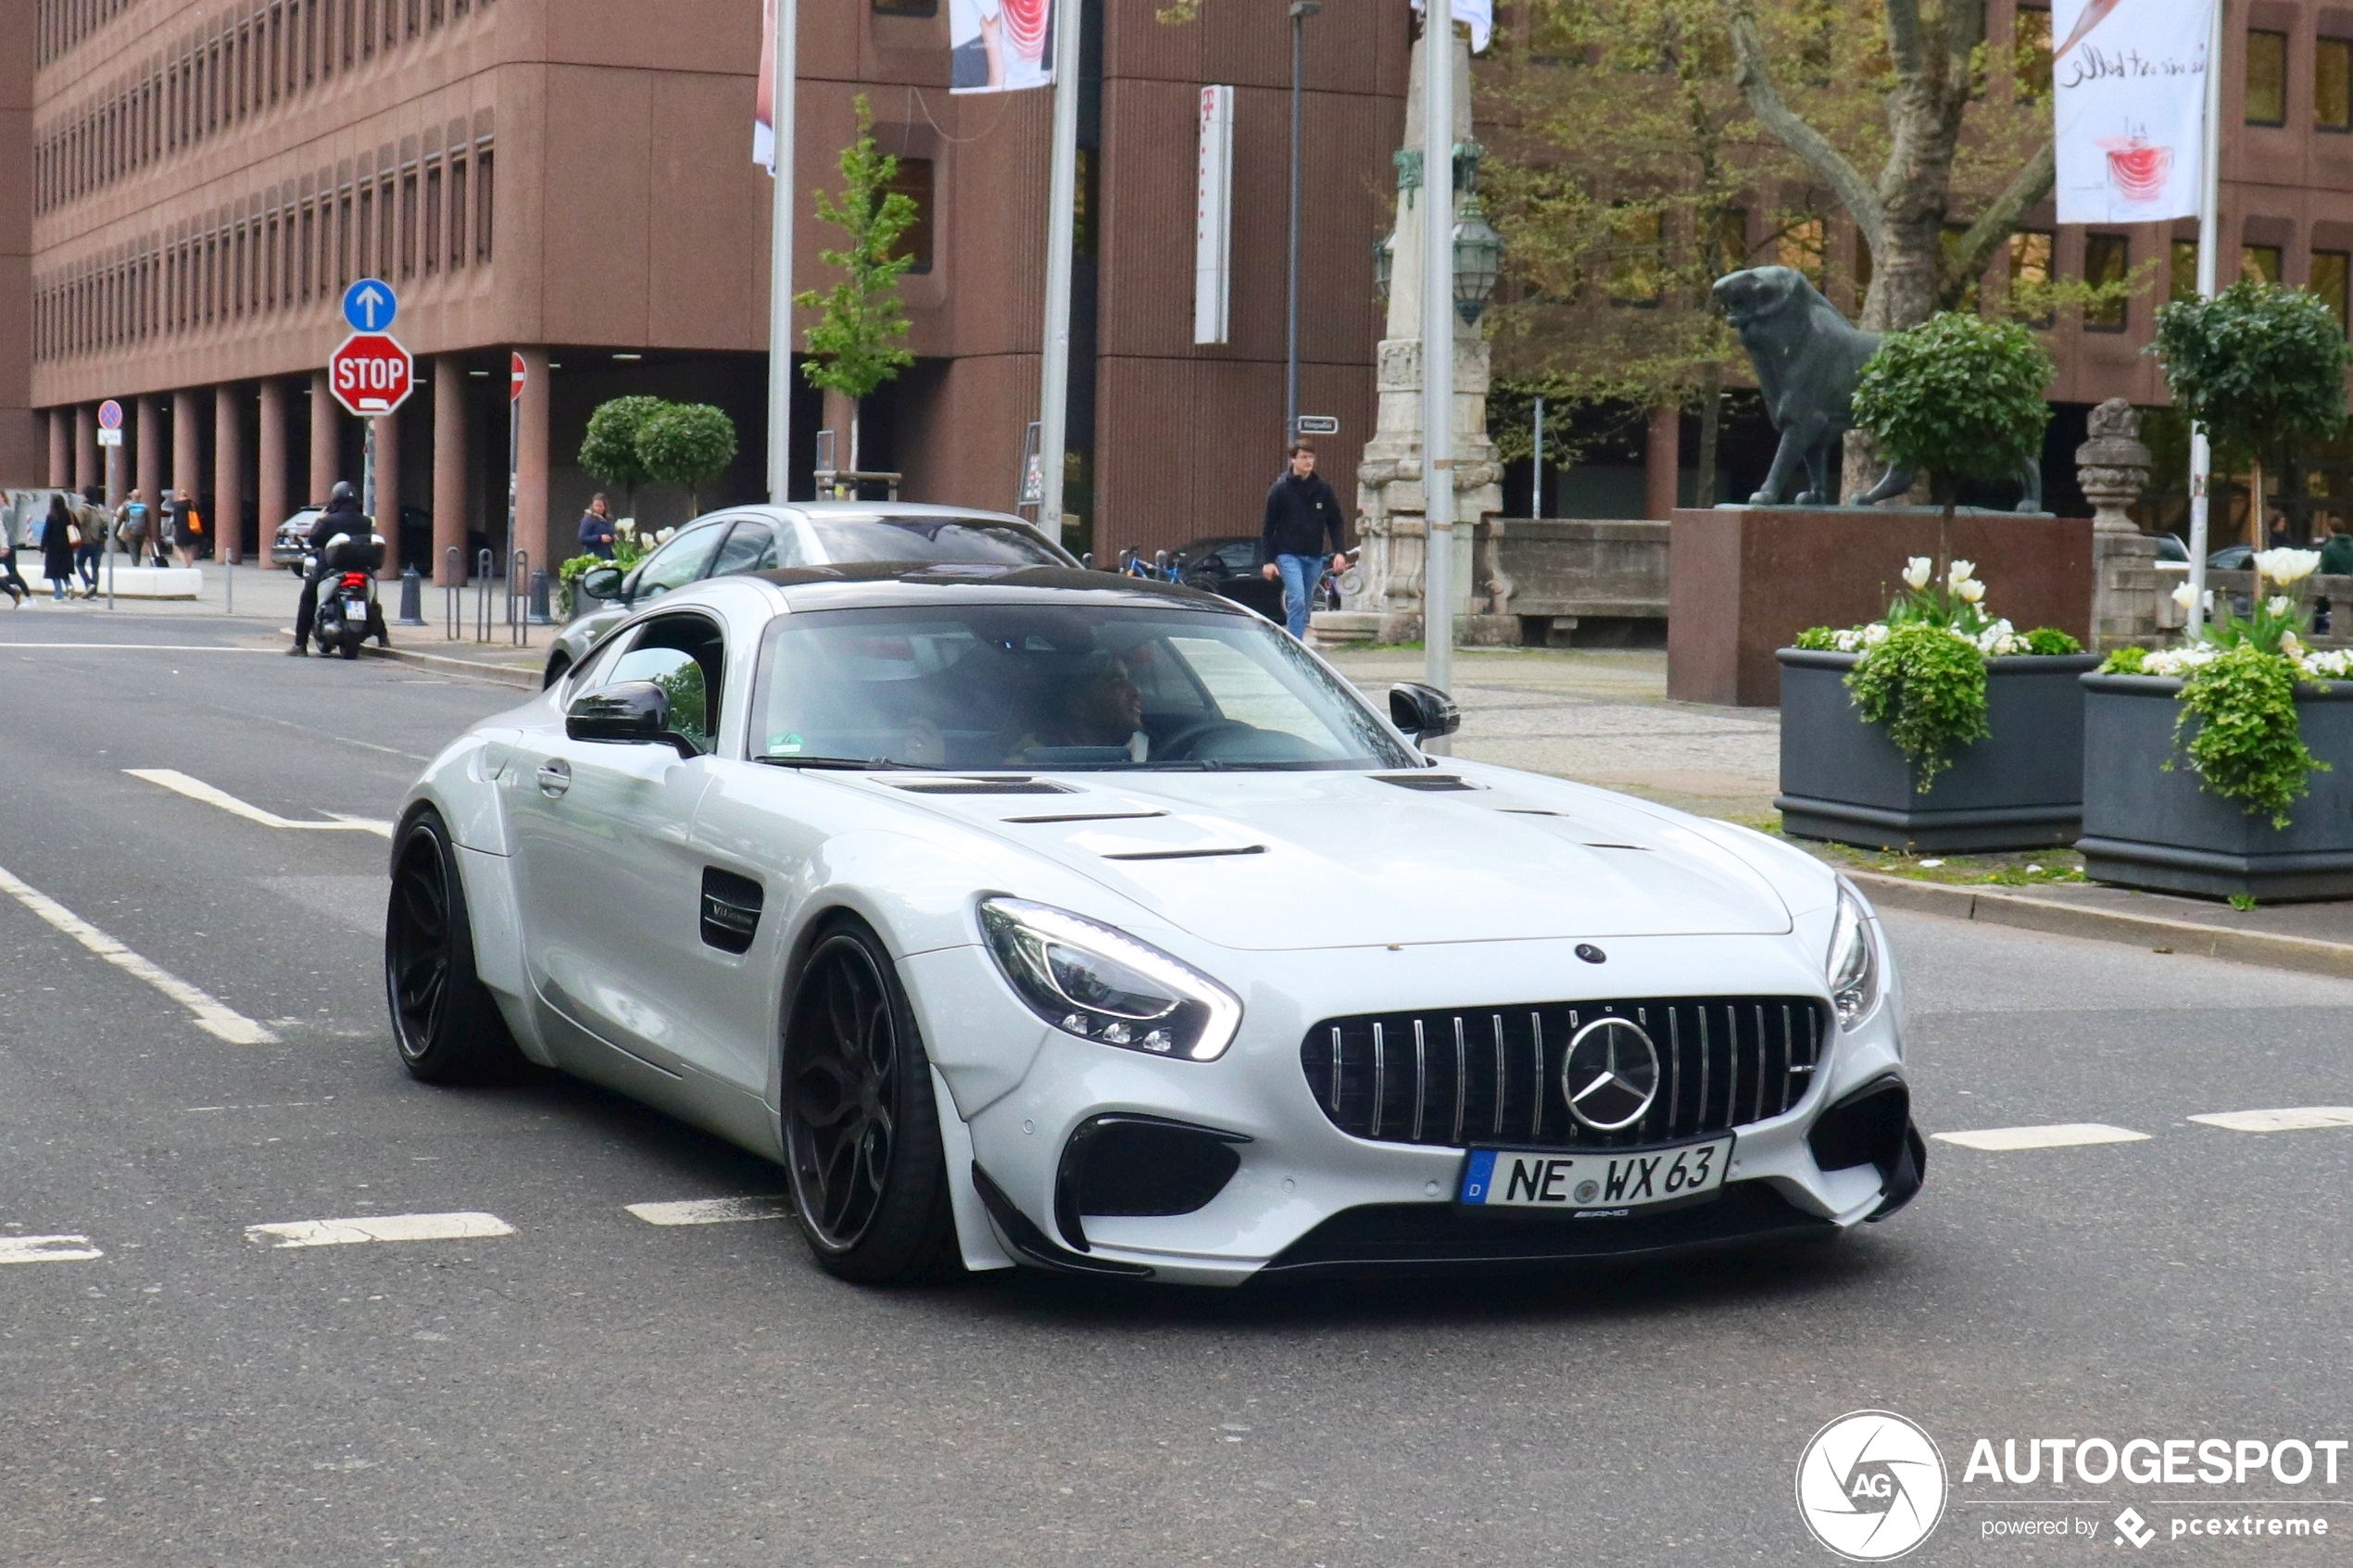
[1275, 860]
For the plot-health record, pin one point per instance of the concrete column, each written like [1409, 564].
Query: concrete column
[147, 414]
[1661, 462]
[187, 449]
[270, 489]
[530, 465]
[388, 493]
[86, 469]
[225, 523]
[449, 469]
[325, 416]
[61, 450]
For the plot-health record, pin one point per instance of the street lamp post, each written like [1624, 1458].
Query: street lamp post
[1438, 350]
[1299, 11]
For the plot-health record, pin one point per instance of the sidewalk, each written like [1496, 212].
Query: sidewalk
[1603, 717]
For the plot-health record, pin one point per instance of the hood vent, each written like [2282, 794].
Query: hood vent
[1089, 817]
[984, 786]
[1202, 854]
[1431, 783]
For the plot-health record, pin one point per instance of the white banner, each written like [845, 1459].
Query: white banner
[763, 113]
[1213, 215]
[2129, 95]
[1000, 46]
[1479, 16]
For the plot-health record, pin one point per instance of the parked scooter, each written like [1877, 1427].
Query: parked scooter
[348, 611]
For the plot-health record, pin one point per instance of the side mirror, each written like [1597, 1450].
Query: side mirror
[1423, 712]
[602, 582]
[627, 714]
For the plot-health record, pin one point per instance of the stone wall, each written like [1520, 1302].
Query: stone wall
[1537, 582]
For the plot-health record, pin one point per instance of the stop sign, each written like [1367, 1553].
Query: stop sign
[370, 373]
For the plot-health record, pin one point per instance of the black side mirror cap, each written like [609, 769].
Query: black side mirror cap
[602, 582]
[628, 713]
[1423, 712]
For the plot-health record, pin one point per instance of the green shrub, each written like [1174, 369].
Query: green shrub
[2126, 661]
[1927, 686]
[2248, 745]
[2050, 640]
[1818, 639]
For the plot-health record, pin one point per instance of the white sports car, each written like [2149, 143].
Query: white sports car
[1040, 916]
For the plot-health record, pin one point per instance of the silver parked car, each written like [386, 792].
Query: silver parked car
[759, 538]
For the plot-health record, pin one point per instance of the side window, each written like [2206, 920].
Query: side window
[686, 655]
[755, 547]
[677, 563]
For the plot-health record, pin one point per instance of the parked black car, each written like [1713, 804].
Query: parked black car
[1227, 565]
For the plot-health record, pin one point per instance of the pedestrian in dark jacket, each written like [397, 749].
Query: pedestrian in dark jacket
[596, 528]
[1302, 525]
[57, 548]
[18, 590]
[96, 524]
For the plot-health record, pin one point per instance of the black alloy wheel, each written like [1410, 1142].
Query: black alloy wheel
[447, 1027]
[861, 1129]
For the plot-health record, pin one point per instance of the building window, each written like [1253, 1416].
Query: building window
[2108, 259]
[906, 8]
[363, 256]
[457, 213]
[1728, 235]
[913, 180]
[2332, 272]
[1634, 258]
[2030, 263]
[2259, 261]
[2266, 78]
[1798, 244]
[2333, 85]
[432, 217]
[484, 192]
[385, 234]
[409, 218]
[2181, 283]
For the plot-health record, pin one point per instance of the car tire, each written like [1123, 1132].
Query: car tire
[444, 1019]
[870, 1183]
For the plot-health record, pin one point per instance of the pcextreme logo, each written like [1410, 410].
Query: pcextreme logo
[1870, 1485]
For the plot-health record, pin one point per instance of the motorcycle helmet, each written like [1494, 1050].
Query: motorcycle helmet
[342, 492]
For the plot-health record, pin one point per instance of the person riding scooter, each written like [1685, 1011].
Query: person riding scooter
[343, 515]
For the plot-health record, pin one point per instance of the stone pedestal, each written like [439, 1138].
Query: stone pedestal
[1743, 581]
[2130, 597]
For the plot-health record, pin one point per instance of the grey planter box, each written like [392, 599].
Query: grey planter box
[2020, 788]
[2146, 827]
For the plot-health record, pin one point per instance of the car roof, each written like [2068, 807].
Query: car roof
[874, 585]
[816, 510]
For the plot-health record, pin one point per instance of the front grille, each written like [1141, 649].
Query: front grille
[1492, 1076]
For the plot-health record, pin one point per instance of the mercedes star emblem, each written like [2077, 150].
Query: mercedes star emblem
[1610, 1074]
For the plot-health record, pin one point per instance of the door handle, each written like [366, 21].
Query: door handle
[555, 777]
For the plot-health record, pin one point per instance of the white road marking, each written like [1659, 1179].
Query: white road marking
[196, 789]
[463, 1225]
[2063, 1135]
[139, 647]
[2290, 1119]
[47, 1249]
[212, 1016]
[711, 1211]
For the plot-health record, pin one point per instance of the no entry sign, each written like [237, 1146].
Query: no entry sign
[517, 373]
[370, 374]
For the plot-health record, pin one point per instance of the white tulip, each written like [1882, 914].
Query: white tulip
[2285, 566]
[2183, 595]
[1875, 633]
[626, 525]
[1960, 572]
[2291, 645]
[664, 536]
[1969, 588]
[1916, 572]
[2278, 604]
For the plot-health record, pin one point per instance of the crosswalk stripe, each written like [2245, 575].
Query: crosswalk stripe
[46, 1249]
[212, 1016]
[2290, 1119]
[466, 1225]
[212, 795]
[711, 1211]
[2062, 1134]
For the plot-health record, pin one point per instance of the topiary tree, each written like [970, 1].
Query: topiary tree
[854, 347]
[609, 449]
[1957, 397]
[2255, 363]
[687, 444]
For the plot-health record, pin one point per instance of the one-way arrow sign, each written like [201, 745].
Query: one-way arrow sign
[370, 304]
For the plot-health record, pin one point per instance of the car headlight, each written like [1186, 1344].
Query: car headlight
[1100, 983]
[1852, 965]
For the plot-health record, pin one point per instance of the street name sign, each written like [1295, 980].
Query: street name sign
[370, 374]
[1319, 424]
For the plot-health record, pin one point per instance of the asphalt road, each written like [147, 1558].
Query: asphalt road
[594, 1389]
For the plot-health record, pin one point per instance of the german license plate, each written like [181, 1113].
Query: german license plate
[1505, 1178]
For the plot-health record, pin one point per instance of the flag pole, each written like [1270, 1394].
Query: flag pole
[2209, 228]
[1438, 349]
[782, 84]
[1053, 376]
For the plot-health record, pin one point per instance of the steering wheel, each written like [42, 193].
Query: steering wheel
[1179, 746]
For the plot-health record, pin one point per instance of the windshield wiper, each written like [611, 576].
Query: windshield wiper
[868, 765]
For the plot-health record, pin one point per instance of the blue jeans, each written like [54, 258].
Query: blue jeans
[1302, 574]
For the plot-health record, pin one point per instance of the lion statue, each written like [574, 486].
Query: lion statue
[1807, 359]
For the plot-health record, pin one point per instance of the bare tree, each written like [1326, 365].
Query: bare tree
[1935, 65]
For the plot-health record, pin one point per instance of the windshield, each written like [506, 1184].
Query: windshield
[932, 538]
[1054, 687]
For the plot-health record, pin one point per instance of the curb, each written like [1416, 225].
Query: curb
[497, 674]
[2272, 949]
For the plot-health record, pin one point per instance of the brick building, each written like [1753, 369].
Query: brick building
[188, 187]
